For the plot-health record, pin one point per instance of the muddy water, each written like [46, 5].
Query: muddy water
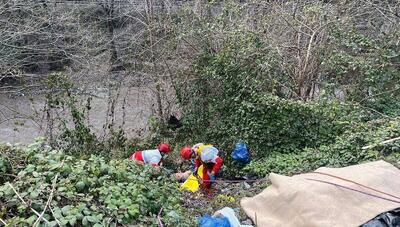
[22, 117]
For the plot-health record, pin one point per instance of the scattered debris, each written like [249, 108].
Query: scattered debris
[247, 222]
[209, 221]
[386, 219]
[246, 185]
[229, 213]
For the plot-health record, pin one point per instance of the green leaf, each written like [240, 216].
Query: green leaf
[30, 168]
[22, 173]
[65, 210]
[53, 223]
[63, 222]
[54, 166]
[31, 219]
[92, 219]
[112, 206]
[61, 189]
[57, 212]
[34, 194]
[85, 221]
[72, 221]
[133, 211]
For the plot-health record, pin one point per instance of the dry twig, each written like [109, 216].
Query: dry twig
[3, 222]
[159, 218]
[381, 143]
[23, 201]
[50, 197]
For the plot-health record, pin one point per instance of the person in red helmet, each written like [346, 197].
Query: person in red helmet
[187, 153]
[193, 154]
[206, 155]
[151, 157]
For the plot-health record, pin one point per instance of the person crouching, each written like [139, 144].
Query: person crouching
[151, 157]
[206, 155]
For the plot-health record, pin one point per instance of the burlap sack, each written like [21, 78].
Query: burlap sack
[303, 200]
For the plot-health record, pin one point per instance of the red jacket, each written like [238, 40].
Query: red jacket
[212, 167]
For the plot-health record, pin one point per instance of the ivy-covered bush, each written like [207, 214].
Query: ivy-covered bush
[233, 98]
[242, 90]
[366, 68]
[92, 192]
[346, 150]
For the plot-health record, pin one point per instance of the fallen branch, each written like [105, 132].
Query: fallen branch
[382, 93]
[380, 143]
[49, 199]
[23, 201]
[159, 218]
[9, 175]
[58, 222]
[3, 222]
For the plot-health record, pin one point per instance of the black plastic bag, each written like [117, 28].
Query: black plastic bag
[387, 219]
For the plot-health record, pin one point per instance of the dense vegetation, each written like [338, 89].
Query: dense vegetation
[296, 110]
[91, 192]
[304, 83]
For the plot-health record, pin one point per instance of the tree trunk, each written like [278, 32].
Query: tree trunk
[114, 61]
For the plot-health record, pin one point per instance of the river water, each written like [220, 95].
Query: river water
[22, 117]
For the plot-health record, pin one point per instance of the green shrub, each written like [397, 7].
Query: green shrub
[366, 68]
[92, 192]
[345, 150]
[231, 101]
[240, 92]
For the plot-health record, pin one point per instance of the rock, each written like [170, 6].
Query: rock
[246, 185]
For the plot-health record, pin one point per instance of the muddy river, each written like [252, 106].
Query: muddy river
[22, 117]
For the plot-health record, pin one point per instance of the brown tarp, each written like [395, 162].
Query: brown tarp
[304, 200]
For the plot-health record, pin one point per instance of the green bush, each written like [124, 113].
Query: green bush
[92, 192]
[241, 92]
[345, 150]
[366, 68]
[232, 100]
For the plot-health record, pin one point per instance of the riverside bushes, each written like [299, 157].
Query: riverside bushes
[84, 192]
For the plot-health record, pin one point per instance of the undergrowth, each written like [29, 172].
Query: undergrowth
[345, 150]
[84, 192]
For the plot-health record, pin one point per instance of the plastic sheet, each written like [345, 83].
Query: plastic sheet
[387, 219]
[192, 184]
[209, 221]
[228, 213]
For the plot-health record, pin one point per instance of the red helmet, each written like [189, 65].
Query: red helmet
[164, 147]
[186, 152]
